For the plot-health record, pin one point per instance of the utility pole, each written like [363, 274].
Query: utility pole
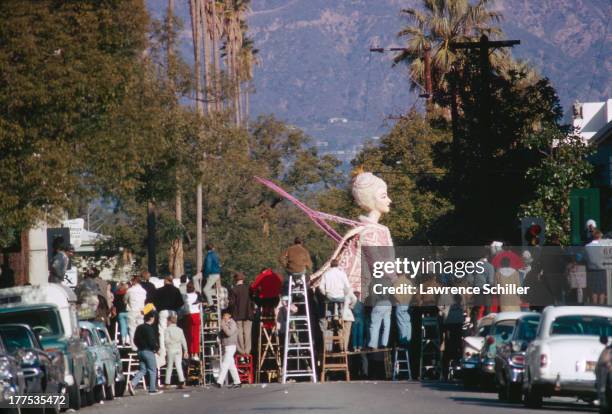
[483, 46]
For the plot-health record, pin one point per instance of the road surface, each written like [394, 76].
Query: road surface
[329, 398]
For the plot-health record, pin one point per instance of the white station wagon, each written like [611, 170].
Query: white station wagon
[562, 358]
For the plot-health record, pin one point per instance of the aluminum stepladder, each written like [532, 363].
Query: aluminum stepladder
[210, 341]
[298, 350]
[268, 349]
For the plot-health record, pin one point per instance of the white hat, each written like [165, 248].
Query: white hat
[590, 222]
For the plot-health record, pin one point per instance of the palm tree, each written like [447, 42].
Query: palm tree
[247, 60]
[439, 24]
[234, 29]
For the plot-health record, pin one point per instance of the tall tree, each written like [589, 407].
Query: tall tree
[65, 81]
[435, 26]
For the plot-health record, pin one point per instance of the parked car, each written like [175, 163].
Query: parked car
[50, 311]
[470, 360]
[563, 357]
[43, 371]
[510, 357]
[107, 361]
[502, 327]
[603, 377]
[11, 378]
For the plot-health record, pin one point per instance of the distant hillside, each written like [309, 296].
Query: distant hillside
[316, 63]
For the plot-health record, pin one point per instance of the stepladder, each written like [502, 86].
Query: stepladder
[268, 350]
[401, 363]
[298, 351]
[210, 341]
[430, 365]
[335, 357]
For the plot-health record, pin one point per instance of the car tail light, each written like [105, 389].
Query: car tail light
[467, 354]
[490, 340]
[518, 359]
[543, 360]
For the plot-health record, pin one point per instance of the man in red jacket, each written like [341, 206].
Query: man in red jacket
[266, 290]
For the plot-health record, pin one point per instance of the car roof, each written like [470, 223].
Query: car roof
[87, 324]
[15, 325]
[530, 315]
[504, 316]
[487, 319]
[554, 311]
[18, 307]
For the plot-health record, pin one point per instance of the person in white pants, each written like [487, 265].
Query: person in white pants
[230, 339]
[176, 350]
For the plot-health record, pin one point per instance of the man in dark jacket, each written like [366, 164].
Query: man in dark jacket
[166, 299]
[147, 285]
[242, 308]
[145, 339]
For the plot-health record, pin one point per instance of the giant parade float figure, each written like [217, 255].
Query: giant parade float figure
[370, 193]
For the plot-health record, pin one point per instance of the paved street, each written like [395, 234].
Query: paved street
[354, 398]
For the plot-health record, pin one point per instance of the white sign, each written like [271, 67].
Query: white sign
[76, 227]
[71, 277]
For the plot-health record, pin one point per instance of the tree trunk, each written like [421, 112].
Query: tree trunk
[198, 20]
[176, 256]
[216, 59]
[151, 237]
[199, 230]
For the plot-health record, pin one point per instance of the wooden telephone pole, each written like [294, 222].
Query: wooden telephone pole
[483, 46]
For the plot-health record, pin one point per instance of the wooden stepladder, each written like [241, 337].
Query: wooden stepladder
[268, 361]
[335, 356]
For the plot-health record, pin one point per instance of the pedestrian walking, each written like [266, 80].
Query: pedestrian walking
[241, 306]
[212, 273]
[145, 340]
[176, 350]
[229, 330]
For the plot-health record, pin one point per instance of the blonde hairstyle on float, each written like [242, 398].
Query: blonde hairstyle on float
[365, 185]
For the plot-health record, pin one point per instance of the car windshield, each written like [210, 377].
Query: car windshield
[44, 322]
[527, 328]
[103, 336]
[582, 325]
[504, 326]
[87, 337]
[15, 338]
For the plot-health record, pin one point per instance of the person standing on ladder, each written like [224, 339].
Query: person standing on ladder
[242, 308]
[296, 261]
[212, 273]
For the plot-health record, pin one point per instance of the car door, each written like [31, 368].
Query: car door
[53, 364]
[106, 352]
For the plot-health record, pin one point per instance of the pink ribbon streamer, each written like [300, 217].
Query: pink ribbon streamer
[318, 217]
